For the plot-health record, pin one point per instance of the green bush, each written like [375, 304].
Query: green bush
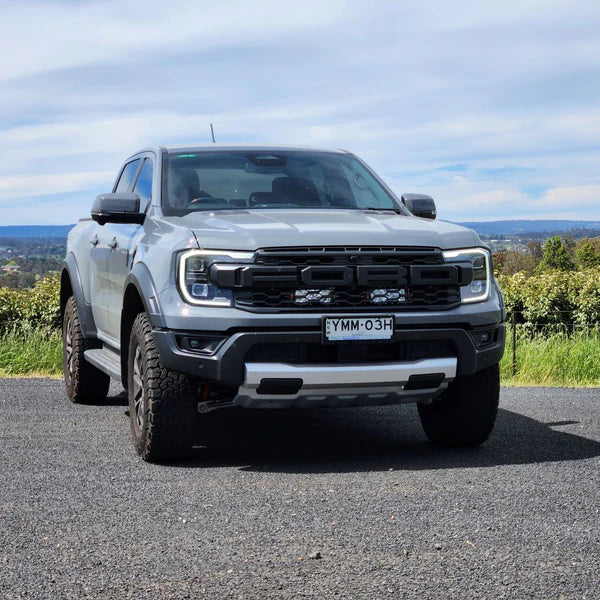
[13, 303]
[44, 302]
[584, 296]
[37, 307]
[554, 297]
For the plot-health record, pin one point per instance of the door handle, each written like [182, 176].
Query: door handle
[94, 241]
[113, 244]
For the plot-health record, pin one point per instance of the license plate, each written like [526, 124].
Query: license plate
[337, 329]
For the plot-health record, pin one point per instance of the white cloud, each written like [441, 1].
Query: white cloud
[28, 186]
[507, 90]
[53, 35]
[581, 196]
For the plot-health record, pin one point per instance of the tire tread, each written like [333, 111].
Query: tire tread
[168, 431]
[88, 384]
[465, 414]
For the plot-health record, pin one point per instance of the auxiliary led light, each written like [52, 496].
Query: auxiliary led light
[306, 296]
[381, 296]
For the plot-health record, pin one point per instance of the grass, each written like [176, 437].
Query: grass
[556, 360]
[29, 351]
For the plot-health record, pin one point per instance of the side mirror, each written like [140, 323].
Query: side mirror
[117, 208]
[420, 205]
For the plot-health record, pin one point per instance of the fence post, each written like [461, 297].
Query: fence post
[513, 323]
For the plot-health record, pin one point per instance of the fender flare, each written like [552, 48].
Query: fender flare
[141, 278]
[86, 317]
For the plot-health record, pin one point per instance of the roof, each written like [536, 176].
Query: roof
[241, 147]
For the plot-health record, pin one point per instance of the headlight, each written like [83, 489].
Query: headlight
[479, 289]
[193, 276]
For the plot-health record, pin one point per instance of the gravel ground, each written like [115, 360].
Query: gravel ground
[312, 504]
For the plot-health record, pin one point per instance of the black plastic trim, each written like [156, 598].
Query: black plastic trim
[86, 317]
[227, 364]
[424, 382]
[280, 385]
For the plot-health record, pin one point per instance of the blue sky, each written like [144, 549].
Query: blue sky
[491, 107]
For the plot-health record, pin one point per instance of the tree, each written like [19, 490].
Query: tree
[569, 243]
[520, 262]
[535, 248]
[498, 260]
[587, 255]
[556, 256]
[10, 280]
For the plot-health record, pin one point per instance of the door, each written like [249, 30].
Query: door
[101, 251]
[123, 239]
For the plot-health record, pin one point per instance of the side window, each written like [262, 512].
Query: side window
[127, 176]
[143, 185]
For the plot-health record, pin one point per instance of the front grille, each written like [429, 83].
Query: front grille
[354, 352]
[281, 296]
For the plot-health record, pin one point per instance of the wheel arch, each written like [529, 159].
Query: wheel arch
[66, 291]
[70, 285]
[139, 296]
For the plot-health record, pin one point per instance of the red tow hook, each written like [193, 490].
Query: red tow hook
[203, 404]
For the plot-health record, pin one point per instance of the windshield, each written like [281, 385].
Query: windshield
[225, 180]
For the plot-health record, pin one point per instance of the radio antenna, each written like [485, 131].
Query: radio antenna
[212, 133]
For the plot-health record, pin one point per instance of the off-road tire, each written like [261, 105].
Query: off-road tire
[162, 403]
[85, 383]
[465, 413]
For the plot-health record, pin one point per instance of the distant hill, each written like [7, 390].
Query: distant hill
[528, 226]
[34, 231]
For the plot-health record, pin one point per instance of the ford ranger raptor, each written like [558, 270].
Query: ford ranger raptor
[224, 277]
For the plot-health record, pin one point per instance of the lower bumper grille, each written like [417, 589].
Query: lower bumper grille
[354, 352]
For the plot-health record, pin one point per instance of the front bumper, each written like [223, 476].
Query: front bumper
[342, 385]
[328, 384]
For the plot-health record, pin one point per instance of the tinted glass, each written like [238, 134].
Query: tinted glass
[143, 185]
[225, 180]
[127, 176]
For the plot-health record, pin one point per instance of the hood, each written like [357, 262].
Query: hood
[264, 228]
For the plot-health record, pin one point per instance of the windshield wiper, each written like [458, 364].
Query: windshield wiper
[398, 211]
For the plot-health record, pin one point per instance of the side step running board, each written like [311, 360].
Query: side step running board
[106, 360]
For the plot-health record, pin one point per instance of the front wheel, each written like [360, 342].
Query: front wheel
[162, 407]
[464, 415]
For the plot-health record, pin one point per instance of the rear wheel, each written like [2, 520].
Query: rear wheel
[84, 382]
[465, 414]
[162, 403]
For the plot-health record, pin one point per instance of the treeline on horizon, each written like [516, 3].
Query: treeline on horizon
[574, 234]
[34, 257]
